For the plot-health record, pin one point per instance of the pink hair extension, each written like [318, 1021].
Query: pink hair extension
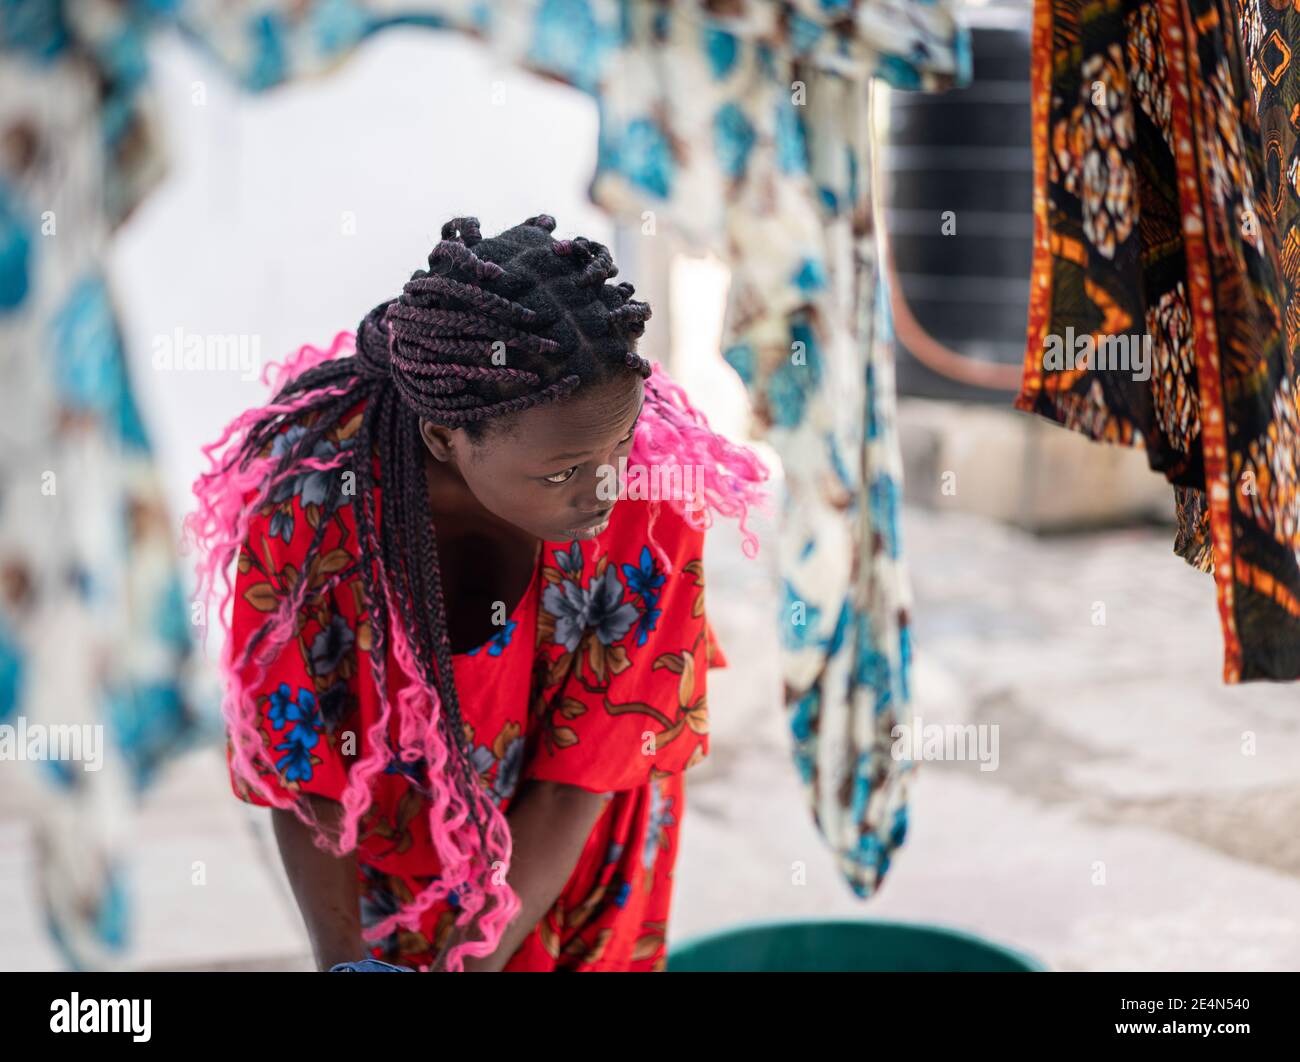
[228, 497]
[277, 374]
[453, 837]
[678, 434]
[220, 492]
[219, 524]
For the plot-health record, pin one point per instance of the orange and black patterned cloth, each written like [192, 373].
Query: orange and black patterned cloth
[1166, 185]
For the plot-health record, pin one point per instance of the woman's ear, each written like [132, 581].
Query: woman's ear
[438, 439]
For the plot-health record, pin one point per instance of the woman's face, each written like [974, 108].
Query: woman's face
[549, 471]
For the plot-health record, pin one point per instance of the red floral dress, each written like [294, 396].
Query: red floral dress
[597, 679]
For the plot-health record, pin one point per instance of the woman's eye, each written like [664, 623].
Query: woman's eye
[561, 477]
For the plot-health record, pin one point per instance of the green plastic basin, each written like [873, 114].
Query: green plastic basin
[846, 946]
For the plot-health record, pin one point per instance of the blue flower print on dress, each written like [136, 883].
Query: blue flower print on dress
[377, 903]
[567, 602]
[599, 607]
[509, 770]
[297, 762]
[369, 966]
[509, 767]
[644, 580]
[283, 709]
[660, 819]
[482, 759]
[415, 771]
[610, 616]
[569, 561]
[496, 645]
[331, 645]
[310, 488]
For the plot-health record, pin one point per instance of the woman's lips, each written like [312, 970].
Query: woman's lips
[588, 530]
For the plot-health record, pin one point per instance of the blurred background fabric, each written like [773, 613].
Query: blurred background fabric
[744, 129]
[94, 627]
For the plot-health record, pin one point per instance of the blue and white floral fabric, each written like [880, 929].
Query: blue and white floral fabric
[744, 126]
[95, 633]
[755, 140]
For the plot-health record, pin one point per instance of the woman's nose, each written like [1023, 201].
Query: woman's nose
[599, 493]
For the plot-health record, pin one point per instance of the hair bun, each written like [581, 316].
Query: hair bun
[465, 229]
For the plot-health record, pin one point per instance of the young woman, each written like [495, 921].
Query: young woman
[463, 672]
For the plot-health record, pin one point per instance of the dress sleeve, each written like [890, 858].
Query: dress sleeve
[625, 644]
[306, 697]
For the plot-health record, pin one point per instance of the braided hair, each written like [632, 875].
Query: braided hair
[493, 327]
[541, 304]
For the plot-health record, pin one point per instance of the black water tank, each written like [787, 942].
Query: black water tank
[966, 151]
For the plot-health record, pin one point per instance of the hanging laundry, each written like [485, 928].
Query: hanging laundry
[1163, 308]
[95, 632]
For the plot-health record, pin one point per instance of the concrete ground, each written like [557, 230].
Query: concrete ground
[1124, 828]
